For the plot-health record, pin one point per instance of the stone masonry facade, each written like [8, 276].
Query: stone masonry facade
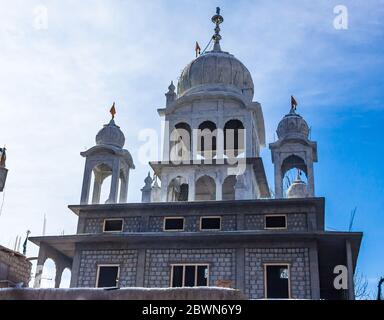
[222, 267]
[90, 259]
[295, 222]
[221, 263]
[298, 260]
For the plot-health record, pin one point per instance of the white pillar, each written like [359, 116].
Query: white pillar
[219, 189]
[114, 182]
[191, 187]
[278, 179]
[86, 184]
[96, 189]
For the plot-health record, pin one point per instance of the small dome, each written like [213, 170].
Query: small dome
[216, 71]
[292, 126]
[110, 135]
[298, 189]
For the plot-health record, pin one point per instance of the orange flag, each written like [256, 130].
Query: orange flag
[113, 111]
[197, 49]
[293, 103]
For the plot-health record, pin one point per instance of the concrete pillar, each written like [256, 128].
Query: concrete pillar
[351, 287]
[97, 189]
[42, 257]
[124, 189]
[140, 268]
[311, 179]
[219, 189]
[86, 184]
[114, 183]
[59, 272]
[314, 268]
[75, 268]
[195, 139]
[164, 188]
[240, 269]
[278, 180]
[191, 187]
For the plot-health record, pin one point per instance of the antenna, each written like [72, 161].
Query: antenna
[353, 213]
[44, 224]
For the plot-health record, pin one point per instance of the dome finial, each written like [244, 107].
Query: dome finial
[113, 111]
[217, 19]
[293, 105]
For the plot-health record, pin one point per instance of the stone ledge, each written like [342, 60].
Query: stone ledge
[211, 293]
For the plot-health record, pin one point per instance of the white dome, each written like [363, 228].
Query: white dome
[298, 189]
[291, 126]
[110, 135]
[216, 71]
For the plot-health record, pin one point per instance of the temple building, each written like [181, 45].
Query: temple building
[208, 216]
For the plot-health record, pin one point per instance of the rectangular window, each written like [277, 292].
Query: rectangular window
[210, 223]
[173, 224]
[189, 275]
[276, 222]
[277, 283]
[107, 276]
[113, 225]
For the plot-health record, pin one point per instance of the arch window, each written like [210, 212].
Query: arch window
[205, 189]
[234, 138]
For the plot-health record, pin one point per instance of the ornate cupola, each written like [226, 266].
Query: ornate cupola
[293, 149]
[107, 158]
[216, 71]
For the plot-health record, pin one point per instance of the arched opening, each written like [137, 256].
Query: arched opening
[234, 138]
[291, 167]
[229, 188]
[178, 190]
[181, 141]
[100, 183]
[48, 274]
[205, 189]
[105, 189]
[65, 278]
[206, 142]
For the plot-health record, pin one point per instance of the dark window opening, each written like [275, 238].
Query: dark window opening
[202, 276]
[207, 140]
[189, 276]
[275, 222]
[233, 138]
[174, 224]
[113, 225]
[277, 277]
[183, 194]
[210, 223]
[108, 276]
[177, 280]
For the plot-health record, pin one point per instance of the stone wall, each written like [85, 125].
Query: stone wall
[222, 264]
[222, 267]
[297, 258]
[90, 259]
[122, 294]
[192, 223]
[95, 225]
[137, 224]
[295, 222]
[19, 268]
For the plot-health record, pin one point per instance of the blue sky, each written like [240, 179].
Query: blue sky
[57, 84]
